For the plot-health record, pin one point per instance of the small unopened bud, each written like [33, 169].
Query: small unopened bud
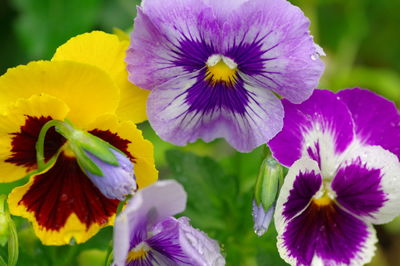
[110, 170]
[268, 184]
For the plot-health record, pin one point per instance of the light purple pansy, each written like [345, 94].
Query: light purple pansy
[343, 176]
[214, 67]
[146, 234]
[117, 180]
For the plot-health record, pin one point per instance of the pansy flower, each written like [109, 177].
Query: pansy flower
[62, 201]
[146, 233]
[214, 67]
[344, 176]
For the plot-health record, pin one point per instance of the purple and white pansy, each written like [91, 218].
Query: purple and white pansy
[344, 176]
[146, 234]
[214, 67]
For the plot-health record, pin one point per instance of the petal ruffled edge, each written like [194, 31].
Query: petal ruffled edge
[87, 90]
[107, 52]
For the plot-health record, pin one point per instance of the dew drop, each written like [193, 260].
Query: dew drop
[64, 197]
[314, 56]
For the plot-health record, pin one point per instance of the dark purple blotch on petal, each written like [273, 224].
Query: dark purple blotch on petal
[304, 188]
[208, 97]
[326, 231]
[359, 189]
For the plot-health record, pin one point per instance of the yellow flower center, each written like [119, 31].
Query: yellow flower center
[138, 252]
[221, 69]
[323, 201]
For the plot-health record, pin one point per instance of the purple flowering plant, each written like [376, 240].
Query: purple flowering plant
[274, 171]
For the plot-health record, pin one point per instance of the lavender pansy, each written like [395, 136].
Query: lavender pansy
[146, 234]
[343, 177]
[214, 67]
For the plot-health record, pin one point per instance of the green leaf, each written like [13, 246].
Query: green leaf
[43, 25]
[220, 201]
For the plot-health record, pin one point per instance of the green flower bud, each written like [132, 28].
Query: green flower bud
[268, 184]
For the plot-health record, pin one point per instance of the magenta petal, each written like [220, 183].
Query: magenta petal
[376, 120]
[321, 128]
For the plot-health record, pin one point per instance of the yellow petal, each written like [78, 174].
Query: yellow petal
[141, 149]
[72, 229]
[87, 90]
[12, 166]
[107, 52]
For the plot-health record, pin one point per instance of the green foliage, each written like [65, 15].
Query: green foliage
[220, 202]
[45, 24]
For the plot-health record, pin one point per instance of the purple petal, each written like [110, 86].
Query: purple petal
[262, 218]
[326, 235]
[368, 184]
[117, 181]
[302, 182]
[165, 33]
[272, 45]
[149, 206]
[267, 42]
[320, 128]
[202, 250]
[165, 244]
[244, 116]
[376, 120]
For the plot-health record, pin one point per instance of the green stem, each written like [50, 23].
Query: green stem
[2, 199]
[62, 127]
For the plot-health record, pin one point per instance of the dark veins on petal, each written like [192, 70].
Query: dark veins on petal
[207, 97]
[23, 150]
[326, 231]
[65, 189]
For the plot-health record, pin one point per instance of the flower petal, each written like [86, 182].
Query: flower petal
[367, 184]
[326, 235]
[62, 203]
[169, 39]
[302, 182]
[127, 138]
[271, 43]
[149, 206]
[197, 246]
[86, 90]
[246, 117]
[19, 130]
[321, 128]
[376, 120]
[107, 52]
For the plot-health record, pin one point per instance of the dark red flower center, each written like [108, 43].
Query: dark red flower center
[64, 189]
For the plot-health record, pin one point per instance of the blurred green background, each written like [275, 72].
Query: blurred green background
[362, 41]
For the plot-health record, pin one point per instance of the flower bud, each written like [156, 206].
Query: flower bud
[110, 170]
[269, 181]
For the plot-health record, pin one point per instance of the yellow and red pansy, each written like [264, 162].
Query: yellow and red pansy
[61, 201]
